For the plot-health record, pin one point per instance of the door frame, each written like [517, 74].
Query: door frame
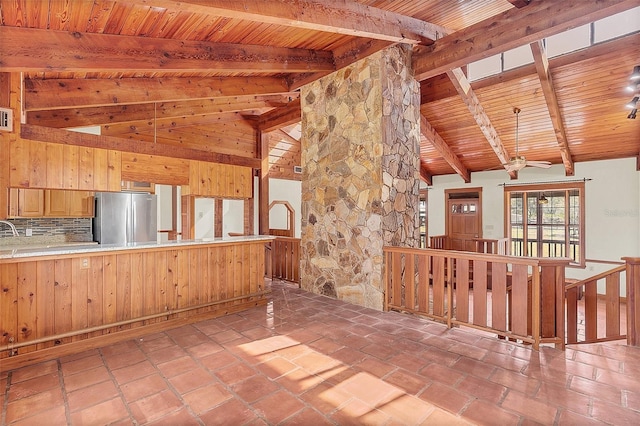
[458, 191]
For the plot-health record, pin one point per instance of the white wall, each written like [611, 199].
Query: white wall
[204, 209]
[290, 191]
[612, 202]
[164, 217]
[232, 217]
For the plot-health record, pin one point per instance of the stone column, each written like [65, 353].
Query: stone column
[360, 186]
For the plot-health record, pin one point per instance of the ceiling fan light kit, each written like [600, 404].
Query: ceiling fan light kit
[519, 162]
[635, 75]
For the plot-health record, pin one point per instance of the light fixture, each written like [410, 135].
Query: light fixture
[632, 114]
[543, 200]
[633, 103]
[635, 75]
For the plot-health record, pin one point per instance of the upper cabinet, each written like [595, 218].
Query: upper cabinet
[50, 203]
[220, 180]
[58, 166]
[60, 203]
[26, 203]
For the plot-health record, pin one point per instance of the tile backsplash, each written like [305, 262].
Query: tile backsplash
[69, 229]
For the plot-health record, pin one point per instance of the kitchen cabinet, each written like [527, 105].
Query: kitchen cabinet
[58, 166]
[49, 203]
[26, 202]
[133, 186]
[60, 203]
[220, 180]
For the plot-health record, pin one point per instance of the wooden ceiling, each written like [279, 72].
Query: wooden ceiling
[209, 75]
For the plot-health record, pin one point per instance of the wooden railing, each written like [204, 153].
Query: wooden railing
[520, 298]
[616, 311]
[285, 255]
[611, 300]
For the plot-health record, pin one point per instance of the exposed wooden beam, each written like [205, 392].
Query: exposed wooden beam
[45, 134]
[434, 89]
[469, 97]
[443, 149]
[93, 116]
[519, 3]
[544, 73]
[76, 93]
[333, 16]
[280, 117]
[150, 125]
[510, 29]
[30, 49]
[282, 134]
[425, 175]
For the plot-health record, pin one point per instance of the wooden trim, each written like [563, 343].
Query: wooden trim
[54, 352]
[217, 226]
[605, 262]
[263, 209]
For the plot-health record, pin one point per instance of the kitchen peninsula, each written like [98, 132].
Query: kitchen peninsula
[59, 300]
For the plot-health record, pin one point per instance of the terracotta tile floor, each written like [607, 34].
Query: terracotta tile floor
[309, 360]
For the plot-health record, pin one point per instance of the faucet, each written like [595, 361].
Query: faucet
[14, 231]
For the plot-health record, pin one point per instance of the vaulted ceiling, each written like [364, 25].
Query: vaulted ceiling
[206, 76]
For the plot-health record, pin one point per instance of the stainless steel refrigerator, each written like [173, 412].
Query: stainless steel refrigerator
[125, 217]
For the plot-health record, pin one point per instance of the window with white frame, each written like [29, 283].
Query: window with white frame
[546, 221]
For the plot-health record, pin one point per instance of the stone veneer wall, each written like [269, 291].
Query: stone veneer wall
[360, 186]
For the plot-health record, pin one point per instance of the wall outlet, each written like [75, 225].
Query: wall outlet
[28, 232]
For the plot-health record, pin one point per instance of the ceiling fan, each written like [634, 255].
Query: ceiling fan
[518, 162]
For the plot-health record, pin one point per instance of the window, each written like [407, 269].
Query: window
[546, 221]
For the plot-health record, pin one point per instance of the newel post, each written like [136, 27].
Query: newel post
[633, 300]
[552, 302]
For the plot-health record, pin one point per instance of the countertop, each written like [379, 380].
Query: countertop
[22, 251]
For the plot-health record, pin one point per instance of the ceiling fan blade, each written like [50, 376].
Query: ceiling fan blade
[539, 164]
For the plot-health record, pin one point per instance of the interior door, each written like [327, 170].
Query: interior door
[464, 223]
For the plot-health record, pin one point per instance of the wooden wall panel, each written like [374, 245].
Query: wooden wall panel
[45, 289]
[47, 297]
[19, 163]
[9, 301]
[55, 165]
[62, 298]
[70, 169]
[38, 165]
[100, 170]
[95, 294]
[114, 172]
[86, 168]
[150, 168]
[79, 295]
[109, 290]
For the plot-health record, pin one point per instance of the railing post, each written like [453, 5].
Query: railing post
[633, 300]
[552, 300]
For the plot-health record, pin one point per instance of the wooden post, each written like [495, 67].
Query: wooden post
[263, 202]
[552, 300]
[633, 300]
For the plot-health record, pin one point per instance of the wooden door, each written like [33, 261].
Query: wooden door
[30, 202]
[55, 203]
[80, 203]
[464, 223]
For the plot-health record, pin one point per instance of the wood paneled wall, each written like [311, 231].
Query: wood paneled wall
[50, 296]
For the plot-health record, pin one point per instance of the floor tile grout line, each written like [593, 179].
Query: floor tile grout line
[117, 385]
[65, 396]
[5, 402]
